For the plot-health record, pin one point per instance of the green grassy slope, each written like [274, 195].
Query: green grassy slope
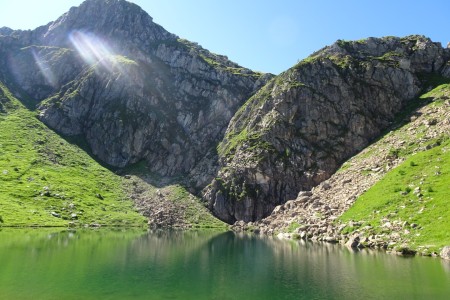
[413, 199]
[418, 192]
[46, 181]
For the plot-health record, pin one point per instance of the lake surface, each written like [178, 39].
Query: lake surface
[136, 264]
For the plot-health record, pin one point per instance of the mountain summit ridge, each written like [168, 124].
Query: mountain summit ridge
[114, 19]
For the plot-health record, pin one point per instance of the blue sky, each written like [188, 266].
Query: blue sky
[265, 35]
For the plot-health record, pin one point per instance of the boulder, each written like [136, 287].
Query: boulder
[55, 214]
[331, 239]
[353, 242]
[445, 253]
[304, 194]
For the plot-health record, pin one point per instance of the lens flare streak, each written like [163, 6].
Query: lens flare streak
[45, 69]
[92, 49]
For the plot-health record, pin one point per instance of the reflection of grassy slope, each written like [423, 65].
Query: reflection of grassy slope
[417, 191]
[41, 173]
[59, 265]
[102, 264]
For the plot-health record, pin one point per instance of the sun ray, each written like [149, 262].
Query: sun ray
[45, 69]
[91, 48]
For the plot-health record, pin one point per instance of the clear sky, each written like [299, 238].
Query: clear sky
[265, 35]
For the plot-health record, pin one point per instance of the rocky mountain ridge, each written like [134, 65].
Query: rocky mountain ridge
[131, 89]
[246, 142]
[297, 130]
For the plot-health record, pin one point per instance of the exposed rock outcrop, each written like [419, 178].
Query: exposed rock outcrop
[313, 215]
[296, 131]
[104, 71]
[42, 70]
[445, 253]
[5, 31]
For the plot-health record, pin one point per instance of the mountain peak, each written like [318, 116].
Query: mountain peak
[377, 47]
[109, 19]
[5, 31]
[101, 8]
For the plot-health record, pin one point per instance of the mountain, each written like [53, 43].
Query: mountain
[299, 128]
[129, 91]
[105, 72]
[393, 194]
[174, 128]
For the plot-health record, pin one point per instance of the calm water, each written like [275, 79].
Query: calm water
[105, 264]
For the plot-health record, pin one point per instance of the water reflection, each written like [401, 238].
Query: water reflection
[105, 264]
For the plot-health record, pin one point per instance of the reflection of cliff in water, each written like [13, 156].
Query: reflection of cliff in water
[214, 262]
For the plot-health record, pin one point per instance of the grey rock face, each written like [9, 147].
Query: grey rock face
[297, 130]
[41, 71]
[5, 31]
[104, 71]
[445, 253]
[141, 110]
[446, 69]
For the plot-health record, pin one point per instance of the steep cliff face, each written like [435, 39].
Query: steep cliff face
[132, 90]
[42, 70]
[297, 130]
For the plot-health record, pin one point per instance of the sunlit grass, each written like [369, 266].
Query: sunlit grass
[46, 181]
[417, 191]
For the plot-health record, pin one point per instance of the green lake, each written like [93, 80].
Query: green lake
[136, 264]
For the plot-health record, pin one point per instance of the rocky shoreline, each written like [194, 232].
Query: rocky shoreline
[331, 234]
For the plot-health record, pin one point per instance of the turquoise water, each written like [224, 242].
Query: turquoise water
[135, 264]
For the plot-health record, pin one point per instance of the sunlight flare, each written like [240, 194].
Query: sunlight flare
[45, 69]
[91, 48]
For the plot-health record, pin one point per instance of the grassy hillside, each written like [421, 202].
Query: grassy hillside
[46, 181]
[412, 201]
